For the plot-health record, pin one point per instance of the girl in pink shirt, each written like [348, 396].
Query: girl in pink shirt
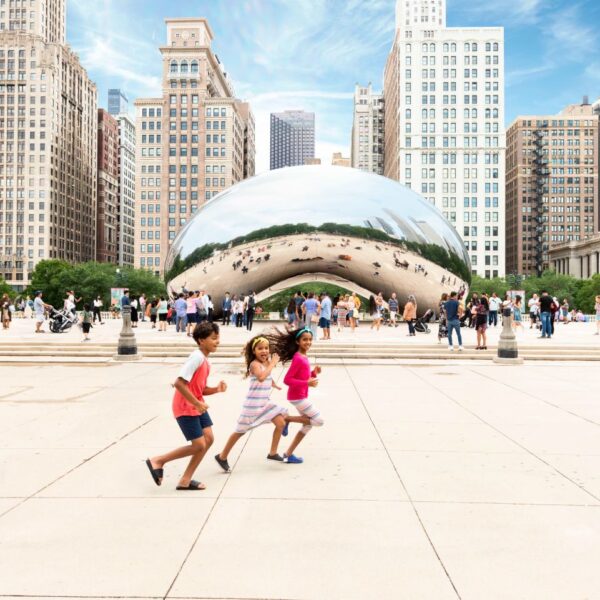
[294, 345]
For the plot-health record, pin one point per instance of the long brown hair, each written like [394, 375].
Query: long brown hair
[284, 342]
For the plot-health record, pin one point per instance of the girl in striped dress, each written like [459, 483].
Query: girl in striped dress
[257, 408]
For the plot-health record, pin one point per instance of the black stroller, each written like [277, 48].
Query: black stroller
[61, 320]
[421, 323]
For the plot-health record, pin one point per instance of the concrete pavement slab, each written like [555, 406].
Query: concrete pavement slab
[517, 478]
[62, 547]
[304, 549]
[488, 549]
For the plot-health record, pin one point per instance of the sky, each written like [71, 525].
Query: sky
[309, 54]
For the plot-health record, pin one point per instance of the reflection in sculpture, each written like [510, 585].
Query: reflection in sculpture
[359, 230]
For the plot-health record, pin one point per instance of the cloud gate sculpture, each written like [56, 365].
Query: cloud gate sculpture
[284, 228]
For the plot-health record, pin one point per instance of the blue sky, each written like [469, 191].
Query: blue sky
[308, 54]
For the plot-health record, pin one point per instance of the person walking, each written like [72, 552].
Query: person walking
[410, 315]
[453, 310]
[191, 314]
[310, 310]
[375, 308]
[134, 312]
[342, 312]
[162, 311]
[40, 308]
[86, 322]
[250, 308]
[143, 303]
[517, 313]
[291, 312]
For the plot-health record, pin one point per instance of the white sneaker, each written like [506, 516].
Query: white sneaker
[460, 348]
[451, 348]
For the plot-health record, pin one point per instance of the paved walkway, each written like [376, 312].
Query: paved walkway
[472, 482]
[571, 334]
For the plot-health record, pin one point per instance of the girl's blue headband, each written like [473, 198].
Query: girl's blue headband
[303, 330]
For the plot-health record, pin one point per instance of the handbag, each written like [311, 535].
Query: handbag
[314, 319]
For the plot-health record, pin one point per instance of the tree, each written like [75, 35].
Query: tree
[5, 288]
[557, 285]
[585, 298]
[50, 276]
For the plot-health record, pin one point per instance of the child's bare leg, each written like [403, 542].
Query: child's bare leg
[233, 438]
[297, 439]
[291, 419]
[207, 438]
[279, 423]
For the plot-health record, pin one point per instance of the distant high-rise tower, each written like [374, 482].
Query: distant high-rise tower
[117, 102]
[292, 138]
[444, 123]
[48, 131]
[367, 130]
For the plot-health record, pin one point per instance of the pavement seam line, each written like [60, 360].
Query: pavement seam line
[83, 462]
[210, 512]
[505, 435]
[532, 395]
[411, 501]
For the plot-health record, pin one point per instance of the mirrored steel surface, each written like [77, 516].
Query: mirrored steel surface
[317, 222]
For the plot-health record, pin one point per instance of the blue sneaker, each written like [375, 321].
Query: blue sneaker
[292, 459]
[286, 429]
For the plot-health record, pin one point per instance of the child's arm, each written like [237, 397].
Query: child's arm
[209, 391]
[291, 377]
[181, 385]
[260, 371]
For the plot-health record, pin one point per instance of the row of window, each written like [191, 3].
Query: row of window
[451, 47]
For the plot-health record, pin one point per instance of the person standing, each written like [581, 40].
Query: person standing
[180, 314]
[517, 313]
[494, 307]
[453, 311]
[597, 309]
[143, 303]
[226, 308]
[134, 312]
[125, 299]
[5, 307]
[250, 307]
[310, 310]
[393, 305]
[546, 303]
[325, 318]
[410, 315]
[375, 308]
[299, 300]
[162, 311]
[97, 310]
[443, 322]
[201, 307]
[86, 322]
[534, 310]
[190, 313]
[481, 319]
[39, 308]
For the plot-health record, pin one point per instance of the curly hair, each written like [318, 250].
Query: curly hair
[284, 342]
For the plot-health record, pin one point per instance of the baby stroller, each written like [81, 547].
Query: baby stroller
[421, 323]
[61, 320]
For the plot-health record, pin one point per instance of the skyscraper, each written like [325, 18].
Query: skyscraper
[551, 185]
[292, 138]
[444, 123]
[193, 142]
[117, 102]
[48, 132]
[107, 215]
[367, 130]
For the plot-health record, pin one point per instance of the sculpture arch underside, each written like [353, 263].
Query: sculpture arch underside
[362, 265]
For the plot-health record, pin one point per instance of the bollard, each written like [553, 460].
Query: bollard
[127, 347]
[508, 352]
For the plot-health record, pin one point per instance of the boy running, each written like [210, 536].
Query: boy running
[190, 410]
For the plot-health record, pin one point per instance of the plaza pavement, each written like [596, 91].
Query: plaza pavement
[427, 482]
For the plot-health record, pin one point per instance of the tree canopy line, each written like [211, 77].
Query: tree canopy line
[92, 279]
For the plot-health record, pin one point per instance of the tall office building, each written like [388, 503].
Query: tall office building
[192, 143]
[107, 214]
[368, 130]
[117, 102]
[292, 138]
[444, 123]
[551, 185]
[126, 220]
[48, 132]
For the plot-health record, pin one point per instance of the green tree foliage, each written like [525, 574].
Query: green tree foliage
[496, 285]
[6, 289]
[585, 298]
[89, 280]
[279, 301]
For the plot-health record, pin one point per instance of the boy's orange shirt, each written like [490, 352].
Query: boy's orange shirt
[195, 371]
